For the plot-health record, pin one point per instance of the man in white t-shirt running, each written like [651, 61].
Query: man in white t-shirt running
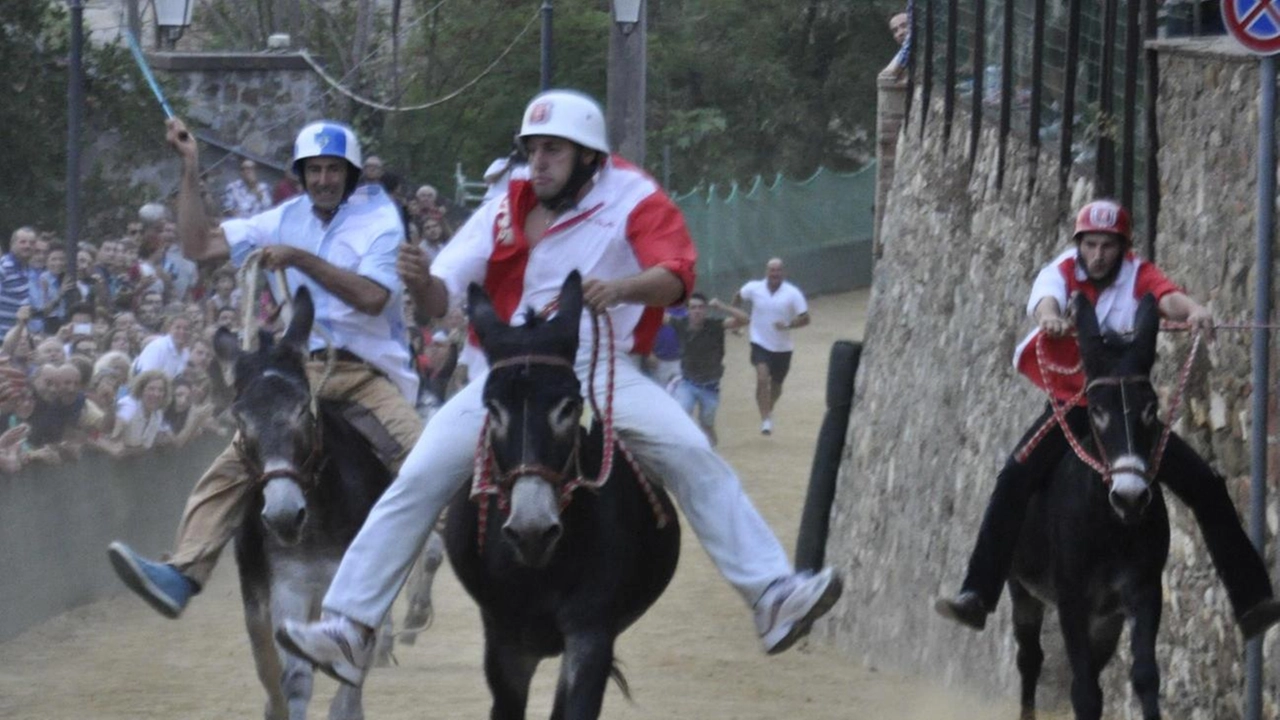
[777, 308]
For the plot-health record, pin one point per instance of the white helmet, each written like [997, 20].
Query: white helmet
[326, 137]
[566, 114]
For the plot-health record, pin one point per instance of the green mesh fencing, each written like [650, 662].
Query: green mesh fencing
[820, 227]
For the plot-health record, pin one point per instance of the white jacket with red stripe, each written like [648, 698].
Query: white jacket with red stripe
[625, 224]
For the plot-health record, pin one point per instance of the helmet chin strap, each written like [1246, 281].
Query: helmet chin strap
[567, 198]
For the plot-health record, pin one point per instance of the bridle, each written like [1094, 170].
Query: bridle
[570, 477]
[306, 474]
[1059, 416]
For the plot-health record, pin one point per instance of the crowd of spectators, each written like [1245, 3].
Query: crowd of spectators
[117, 358]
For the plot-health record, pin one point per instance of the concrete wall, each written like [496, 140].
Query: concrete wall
[55, 524]
[938, 407]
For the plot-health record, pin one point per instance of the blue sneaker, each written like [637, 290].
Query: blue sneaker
[162, 586]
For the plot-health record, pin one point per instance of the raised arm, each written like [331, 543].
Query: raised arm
[201, 241]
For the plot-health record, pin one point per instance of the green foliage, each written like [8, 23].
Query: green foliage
[735, 88]
[121, 123]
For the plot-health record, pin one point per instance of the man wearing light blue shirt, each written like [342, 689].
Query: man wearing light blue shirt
[340, 241]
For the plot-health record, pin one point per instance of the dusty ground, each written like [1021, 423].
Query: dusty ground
[694, 655]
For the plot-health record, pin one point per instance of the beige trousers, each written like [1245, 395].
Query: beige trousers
[217, 502]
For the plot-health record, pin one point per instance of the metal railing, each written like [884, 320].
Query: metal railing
[1070, 76]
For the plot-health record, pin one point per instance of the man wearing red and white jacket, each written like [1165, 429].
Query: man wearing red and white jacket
[1103, 268]
[582, 209]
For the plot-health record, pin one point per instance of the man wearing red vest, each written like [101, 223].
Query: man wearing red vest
[585, 209]
[1103, 267]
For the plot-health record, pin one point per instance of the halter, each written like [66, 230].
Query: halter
[570, 477]
[305, 475]
[1060, 419]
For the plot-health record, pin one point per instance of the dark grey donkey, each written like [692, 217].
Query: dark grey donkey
[317, 479]
[554, 570]
[1095, 545]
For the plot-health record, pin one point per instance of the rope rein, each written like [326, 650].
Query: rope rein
[572, 477]
[1059, 408]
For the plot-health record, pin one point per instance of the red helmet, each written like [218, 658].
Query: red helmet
[1104, 216]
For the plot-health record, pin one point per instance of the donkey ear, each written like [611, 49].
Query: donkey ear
[569, 313]
[1146, 328]
[304, 315]
[225, 346]
[480, 311]
[1088, 335]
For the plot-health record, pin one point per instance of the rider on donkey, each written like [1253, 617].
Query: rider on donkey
[1103, 267]
[340, 241]
[586, 209]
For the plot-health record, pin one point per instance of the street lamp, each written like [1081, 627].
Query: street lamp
[172, 17]
[626, 13]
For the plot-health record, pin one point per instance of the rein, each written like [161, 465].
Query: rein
[571, 477]
[1059, 416]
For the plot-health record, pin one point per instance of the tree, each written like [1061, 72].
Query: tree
[121, 121]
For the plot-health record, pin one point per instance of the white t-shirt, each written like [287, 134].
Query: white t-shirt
[161, 354]
[783, 305]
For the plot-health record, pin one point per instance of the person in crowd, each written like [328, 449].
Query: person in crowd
[169, 352]
[225, 296]
[246, 196]
[1101, 265]
[55, 291]
[663, 362]
[701, 339]
[435, 235]
[286, 187]
[15, 276]
[149, 313]
[140, 424]
[373, 170]
[900, 27]
[777, 308]
[636, 257]
[104, 391]
[63, 417]
[184, 418]
[341, 244]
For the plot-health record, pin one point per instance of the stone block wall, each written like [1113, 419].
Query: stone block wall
[938, 406]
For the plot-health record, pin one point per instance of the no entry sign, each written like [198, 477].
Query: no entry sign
[1255, 23]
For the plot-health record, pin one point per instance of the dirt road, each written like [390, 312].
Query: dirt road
[693, 656]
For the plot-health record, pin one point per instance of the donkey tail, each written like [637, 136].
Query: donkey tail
[620, 679]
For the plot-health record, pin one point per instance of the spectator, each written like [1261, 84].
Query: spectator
[777, 308]
[54, 290]
[428, 203]
[15, 281]
[63, 417]
[900, 26]
[285, 188]
[140, 423]
[373, 171]
[702, 360]
[246, 196]
[184, 419]
[103, 391]
[168, 353]
[50, 351]
[149, 317]
[182, 272]
[435, 235]
[225, 294]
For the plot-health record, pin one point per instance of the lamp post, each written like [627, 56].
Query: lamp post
[172, 19]
[547, 11]
[75, 113]
[626, 94]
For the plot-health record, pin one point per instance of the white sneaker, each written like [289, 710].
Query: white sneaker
[766, 427]
[786, 611]
[334, 644]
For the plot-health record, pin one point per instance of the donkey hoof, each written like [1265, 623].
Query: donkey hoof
[966, 608]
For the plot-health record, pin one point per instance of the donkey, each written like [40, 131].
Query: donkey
[309, 506]
[553, 570]
[1095, 544]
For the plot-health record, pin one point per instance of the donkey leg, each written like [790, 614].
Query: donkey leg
[508, 668]
[584, 673]
[421, 579]
[1146, 609]
[347, 703]
[292, 598]
[257, 619]
[1028, 619]
[1073, 616]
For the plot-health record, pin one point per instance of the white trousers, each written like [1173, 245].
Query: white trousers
[664, 439]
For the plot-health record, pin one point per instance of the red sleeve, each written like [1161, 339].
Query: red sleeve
[1151, 280]
[659, 236]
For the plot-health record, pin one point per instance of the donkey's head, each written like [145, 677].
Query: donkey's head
[534, 401]
[277, 438]
[1122, 404]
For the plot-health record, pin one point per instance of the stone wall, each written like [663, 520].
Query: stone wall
[255, 102]
[938, 407]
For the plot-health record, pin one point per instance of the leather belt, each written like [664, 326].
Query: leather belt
[341, 355]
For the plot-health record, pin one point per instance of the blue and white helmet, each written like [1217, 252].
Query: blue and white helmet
[328, 138]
